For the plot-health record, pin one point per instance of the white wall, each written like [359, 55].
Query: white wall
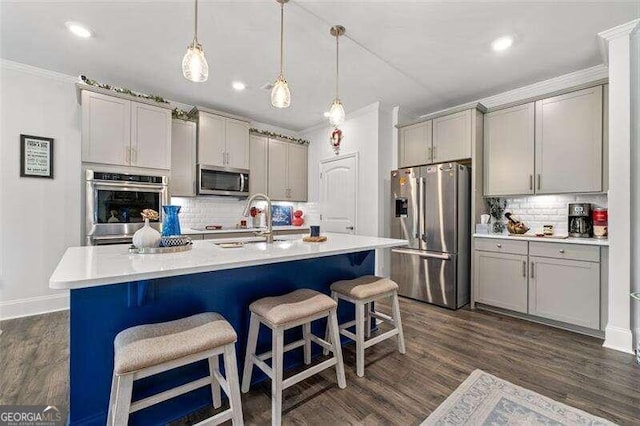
[38, 217]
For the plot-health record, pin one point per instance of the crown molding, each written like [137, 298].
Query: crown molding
[604, 37]
[30, 69]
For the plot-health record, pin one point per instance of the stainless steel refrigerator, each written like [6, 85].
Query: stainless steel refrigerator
[431, 207]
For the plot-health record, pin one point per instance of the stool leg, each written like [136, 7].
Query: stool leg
[306, 334]
[231, 373]
[123, 400]
[252, 341]
[327, 334]
[277, 343]
[360, 339]
[214, 364]
[337, 348]
[367, 316]
[112, 399]
[398, 322]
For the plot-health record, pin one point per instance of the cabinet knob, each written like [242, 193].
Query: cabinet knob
[562, 251]
[499, 245]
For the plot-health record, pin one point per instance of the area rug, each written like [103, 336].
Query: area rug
[483, 399]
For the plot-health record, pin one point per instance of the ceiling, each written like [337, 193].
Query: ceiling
[421, 55]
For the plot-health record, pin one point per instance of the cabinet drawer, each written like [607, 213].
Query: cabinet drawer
[501, 246]
[565, 251]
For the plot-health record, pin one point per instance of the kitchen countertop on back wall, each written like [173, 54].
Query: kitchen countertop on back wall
[556, 239]
[198, 231]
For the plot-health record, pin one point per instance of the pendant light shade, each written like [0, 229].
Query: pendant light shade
[194, 64]
[280, 94]
[336, 111]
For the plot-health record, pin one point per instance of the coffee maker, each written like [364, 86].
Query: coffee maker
[580, 221]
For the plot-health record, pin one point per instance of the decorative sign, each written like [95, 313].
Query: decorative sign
[36, 156]
[281, 215]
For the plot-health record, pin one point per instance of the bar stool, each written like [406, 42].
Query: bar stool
[146, 350]
[362, 292]
[298, 308]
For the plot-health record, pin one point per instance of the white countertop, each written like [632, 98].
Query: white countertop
[100, 265]
[192, 231]
[527, 237]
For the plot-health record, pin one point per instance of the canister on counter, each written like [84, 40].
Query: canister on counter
[600, 222]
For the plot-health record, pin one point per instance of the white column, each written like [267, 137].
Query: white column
[617, 47]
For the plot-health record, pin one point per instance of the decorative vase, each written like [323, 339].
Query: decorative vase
[146, 237]
[498, 226]
[297, 218]
[171, 223]
[257, 221]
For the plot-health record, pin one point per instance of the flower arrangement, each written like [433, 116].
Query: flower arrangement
[255, 211]
[149, 214]
[299, 141]
[335, 139]
[496, 210]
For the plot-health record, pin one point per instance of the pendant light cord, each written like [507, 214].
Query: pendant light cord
[195, 34]
[281, 39]
[337, 61]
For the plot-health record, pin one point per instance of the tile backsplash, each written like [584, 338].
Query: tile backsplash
[199, 212]
[539, 210]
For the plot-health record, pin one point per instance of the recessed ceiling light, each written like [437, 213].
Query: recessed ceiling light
[79, 30]
[326, 114]
[238, 85]
[502, 43]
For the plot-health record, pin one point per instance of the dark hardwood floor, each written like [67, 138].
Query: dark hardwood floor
[443, 348]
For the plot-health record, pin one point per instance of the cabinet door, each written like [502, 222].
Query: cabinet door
[258, 164]
[501, 280]
[452, 137]
[297, 172]
[211, 139]
[565, 290]
[569, 142]
[278, 165]
[183, 158]
[150, 136]
[106, 129]
[237, 143]
[414, 145]
[509, 151]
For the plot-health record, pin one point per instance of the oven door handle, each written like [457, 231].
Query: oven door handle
[126, 186]
[111, 239]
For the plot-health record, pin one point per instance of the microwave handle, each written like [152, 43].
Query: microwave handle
[242, 182]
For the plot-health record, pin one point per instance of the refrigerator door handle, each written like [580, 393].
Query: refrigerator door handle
[442, 256]
[421, 231]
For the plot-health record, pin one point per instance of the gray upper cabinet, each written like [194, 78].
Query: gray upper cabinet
[222, 141]
[452, 136]
[287, 171]
[183, 159]
[258, 164]
[565, 290]
[501, 280]
[123, 132]
[509, 140]
[414, 144]
[569, 142]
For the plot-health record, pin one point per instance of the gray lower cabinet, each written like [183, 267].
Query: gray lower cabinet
[565, 290]
[501, 280]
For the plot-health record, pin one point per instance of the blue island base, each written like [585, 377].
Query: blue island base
[99, 313]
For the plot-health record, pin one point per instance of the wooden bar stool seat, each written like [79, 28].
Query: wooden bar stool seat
[149, 349]
[362, 292]
[280, 313]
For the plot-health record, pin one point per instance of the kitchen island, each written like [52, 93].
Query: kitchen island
[112, 289]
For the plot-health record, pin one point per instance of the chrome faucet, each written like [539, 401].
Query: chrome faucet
[268, 234]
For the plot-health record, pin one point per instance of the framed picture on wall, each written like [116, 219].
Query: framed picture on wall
[36, 156]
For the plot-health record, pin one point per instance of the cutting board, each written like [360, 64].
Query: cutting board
[319, 239]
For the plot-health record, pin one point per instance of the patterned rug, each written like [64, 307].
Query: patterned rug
[483, 399]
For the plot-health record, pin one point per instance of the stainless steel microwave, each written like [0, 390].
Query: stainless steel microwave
[214, 180]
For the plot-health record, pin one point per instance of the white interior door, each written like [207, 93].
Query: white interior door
[339, 194]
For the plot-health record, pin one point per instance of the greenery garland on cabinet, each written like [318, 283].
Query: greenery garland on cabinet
[299, 141]
[123, 90]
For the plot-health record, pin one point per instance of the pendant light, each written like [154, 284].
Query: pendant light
[280, 95]
[194, 64]
[336, 112]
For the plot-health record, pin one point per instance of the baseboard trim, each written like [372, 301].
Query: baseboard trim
[619, 339]
[33, 306]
